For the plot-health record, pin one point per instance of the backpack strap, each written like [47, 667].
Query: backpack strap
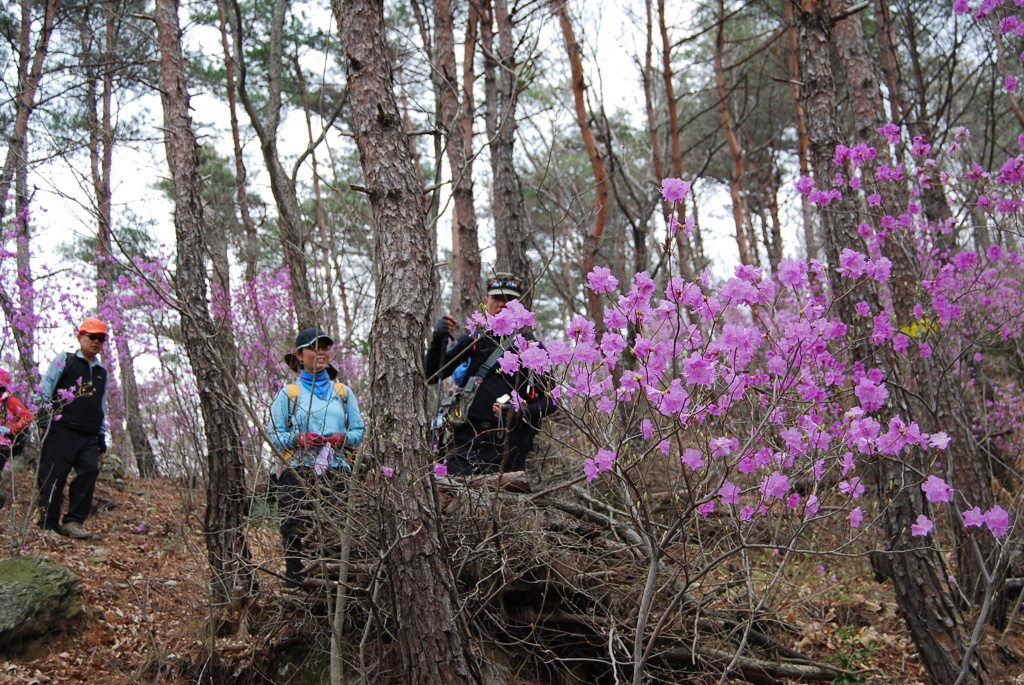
[292, 389]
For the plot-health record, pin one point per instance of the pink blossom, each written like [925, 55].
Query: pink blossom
[776, 485]
[938, 440]
[812, 505]
[923, 526]
[871, 396]
[853, 487]
[692, 458]
[998, 521]
[387, 471]
[509, 363]
[1010, 84]
[729, 493]
[601, 280]
[441, 469]
[707, 508]
[974, 517]
[699, 371]
[936, 489]
[674, 189]
[856, 517]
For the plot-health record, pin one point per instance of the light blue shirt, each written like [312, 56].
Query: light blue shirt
[314, 415]
[49, 384]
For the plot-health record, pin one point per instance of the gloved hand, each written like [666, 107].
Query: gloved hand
[336, 440]
[102, 442]
[311, 440]
[4, 430]
[445, 326]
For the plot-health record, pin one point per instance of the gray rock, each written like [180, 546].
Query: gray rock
[37, 596]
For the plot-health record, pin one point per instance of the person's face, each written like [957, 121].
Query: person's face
[317, 356]
[91, 343]
[495, 303]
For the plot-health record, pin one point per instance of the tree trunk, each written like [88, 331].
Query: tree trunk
[30, 69]
[101, 154]
[432, 637]
[735, 150]
[251, 242]
[289, 215]
[922, 590]
[966, 463]
[458, 146]
[593, 239]
[226, 501]
[328, 247]
[806, 211]
[510, 233]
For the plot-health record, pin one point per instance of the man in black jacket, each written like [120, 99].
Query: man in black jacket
[497, 437]
[73, 394]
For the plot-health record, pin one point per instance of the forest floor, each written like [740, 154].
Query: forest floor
[144, 599]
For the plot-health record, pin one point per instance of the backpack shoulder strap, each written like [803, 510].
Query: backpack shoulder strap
[342, 391]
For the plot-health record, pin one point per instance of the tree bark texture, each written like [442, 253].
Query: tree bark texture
[226, 501]
[458, 146]
[934, 620]
[433, 639]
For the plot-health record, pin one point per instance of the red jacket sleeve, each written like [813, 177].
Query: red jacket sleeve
[18, 416]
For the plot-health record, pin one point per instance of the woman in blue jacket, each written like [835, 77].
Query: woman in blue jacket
[314, 424]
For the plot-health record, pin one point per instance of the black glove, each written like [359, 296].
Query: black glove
[441, 329]
[102, 443]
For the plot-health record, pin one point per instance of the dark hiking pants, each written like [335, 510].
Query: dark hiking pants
[65, 449]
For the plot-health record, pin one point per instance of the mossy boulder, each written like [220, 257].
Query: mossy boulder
[37, 596]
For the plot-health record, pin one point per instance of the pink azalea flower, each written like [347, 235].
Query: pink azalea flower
[707, 508]
[812, 505]
[936, 489]
[692, 458]
[441, 469]
[674, 189]
[974, 517]
[923, 526]
[998, 521]
[856, 517]
[387, 471]
[853, 487]
[730, 493]
[775, 485]
[601, 280]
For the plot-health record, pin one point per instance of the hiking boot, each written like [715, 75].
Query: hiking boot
[76, 530]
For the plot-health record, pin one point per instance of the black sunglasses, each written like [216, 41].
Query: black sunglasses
[97, 337]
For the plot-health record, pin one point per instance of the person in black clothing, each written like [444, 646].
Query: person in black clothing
[496, 438]
[74, 397]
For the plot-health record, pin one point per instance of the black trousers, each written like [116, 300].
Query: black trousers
[65, 449]
[295, 490]
[481, 447]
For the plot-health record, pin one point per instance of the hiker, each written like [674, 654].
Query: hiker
[14, 419]
[492, 437]
[73, 402]
[313, 423]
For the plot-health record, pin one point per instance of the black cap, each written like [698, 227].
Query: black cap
[310, 336]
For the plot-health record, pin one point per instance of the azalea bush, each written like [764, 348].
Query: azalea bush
[730, 422]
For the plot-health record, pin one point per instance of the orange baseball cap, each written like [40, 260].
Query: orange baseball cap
[91, 325]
